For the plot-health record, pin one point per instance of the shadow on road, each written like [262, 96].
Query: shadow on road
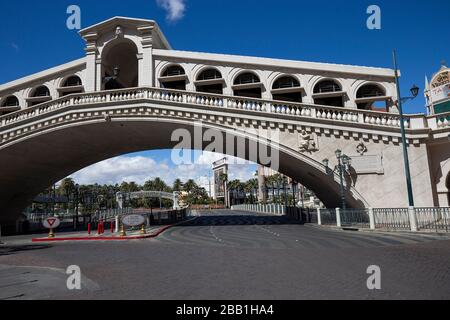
[6, 250]
[230, 220]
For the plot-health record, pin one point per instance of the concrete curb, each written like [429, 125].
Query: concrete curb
[96, 238]
[378, 231]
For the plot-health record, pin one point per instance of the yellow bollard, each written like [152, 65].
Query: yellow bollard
[143, 230]
[122, 231]
[51, 234]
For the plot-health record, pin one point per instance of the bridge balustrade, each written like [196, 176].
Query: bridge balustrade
[381, 119]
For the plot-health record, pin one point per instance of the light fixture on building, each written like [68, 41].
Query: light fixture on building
[342, 168]
[415, 91]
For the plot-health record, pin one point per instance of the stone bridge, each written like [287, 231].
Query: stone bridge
[121, 197]
[132, 91]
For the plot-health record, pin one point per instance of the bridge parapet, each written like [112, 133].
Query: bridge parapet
[342, 116]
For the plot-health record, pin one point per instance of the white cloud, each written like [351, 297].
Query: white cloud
[175, 8]
[142, 168]
[15, 46]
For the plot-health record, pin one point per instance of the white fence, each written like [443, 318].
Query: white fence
[274, 209]
[394, 219]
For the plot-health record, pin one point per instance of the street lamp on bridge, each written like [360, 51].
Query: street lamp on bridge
[341, 168]
[414, 92]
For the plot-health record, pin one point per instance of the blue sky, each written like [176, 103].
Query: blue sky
[33, 36]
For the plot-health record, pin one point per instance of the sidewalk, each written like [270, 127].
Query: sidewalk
[151, 232]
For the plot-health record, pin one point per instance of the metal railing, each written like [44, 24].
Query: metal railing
[392, 219]
[355, 218]
[328, 216]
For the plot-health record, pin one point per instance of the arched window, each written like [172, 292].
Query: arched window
[10, 104]
[247, 84]
[287, 88]
[210, 81]
[326, 86]
[173, 71]
[41, 91]
[120, 65]
[209, 74]
[173, 77]
[369, 91]
[39, 95]
[286, 82]
[72, 84]
[246, 78]
[328, 93]
[11, 101]
[372, 97]
[72, 81]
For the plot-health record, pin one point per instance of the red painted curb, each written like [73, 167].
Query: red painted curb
[153, 235]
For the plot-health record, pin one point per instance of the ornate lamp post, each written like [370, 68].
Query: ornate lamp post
[341, 168]
[414, 92]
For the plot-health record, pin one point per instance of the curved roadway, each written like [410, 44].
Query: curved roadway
[233, 255]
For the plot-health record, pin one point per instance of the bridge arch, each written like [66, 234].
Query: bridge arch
[73, 146]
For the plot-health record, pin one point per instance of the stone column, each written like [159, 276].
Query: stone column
[91, 56]
[98, 75]
[412, 219]
[116, 225]
[319, 217]
[372, 219]
[338, 217]
[145, 58]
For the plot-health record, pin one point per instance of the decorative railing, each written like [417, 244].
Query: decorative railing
[328, 216]
[437, 219]
[392, 219]
[295, 110]
[355, 218]
[439, 121]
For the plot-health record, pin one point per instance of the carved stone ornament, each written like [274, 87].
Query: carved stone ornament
[119, 32]
[308, 142]
[361, 149]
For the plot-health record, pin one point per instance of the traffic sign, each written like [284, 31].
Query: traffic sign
[133, 220]
[51, 223]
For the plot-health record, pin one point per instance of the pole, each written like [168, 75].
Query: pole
[341, 177]
[293, 193]
[402, 128]
[75, 223]
[53, 199]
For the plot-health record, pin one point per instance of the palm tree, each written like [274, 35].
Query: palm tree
[270, 182]
[233, 187]
[177, 185]
[68, 188]
[254, 187]
[190, 186]
[223, 178]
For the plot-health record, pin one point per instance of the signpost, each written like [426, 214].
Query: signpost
[132, 220]
[51, 223]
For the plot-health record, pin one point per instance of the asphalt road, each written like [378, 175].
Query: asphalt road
[232, 255]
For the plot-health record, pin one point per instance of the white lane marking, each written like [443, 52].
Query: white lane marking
[214, 235]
